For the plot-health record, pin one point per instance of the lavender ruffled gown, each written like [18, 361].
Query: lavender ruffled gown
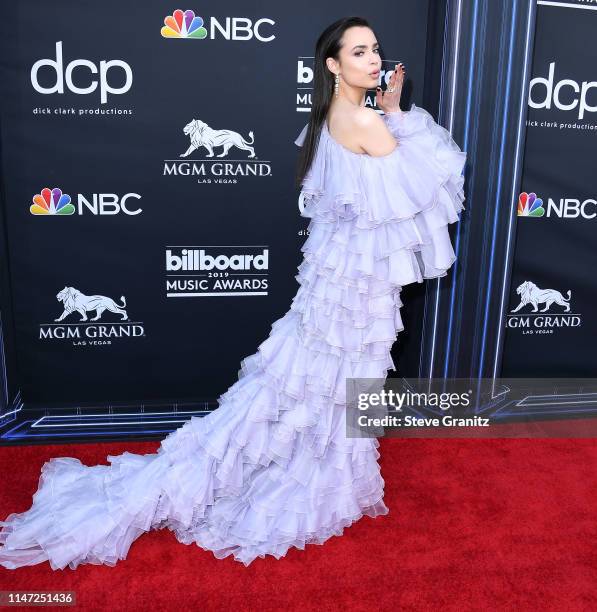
[272, 467]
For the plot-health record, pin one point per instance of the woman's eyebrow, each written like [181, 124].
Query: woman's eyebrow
[364, 46]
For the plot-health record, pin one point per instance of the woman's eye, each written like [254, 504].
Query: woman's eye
[361, 53]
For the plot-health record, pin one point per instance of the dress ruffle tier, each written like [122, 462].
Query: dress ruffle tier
[399, 204]
[272, 467]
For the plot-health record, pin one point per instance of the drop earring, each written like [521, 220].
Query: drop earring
[336, 85]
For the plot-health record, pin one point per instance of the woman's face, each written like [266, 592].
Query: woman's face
[360, 62]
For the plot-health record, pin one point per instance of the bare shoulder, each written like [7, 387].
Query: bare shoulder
[366, 117]
[372, 133]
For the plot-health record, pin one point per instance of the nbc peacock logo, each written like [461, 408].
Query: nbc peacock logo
[529, 205]
[183, 24]
[51, 202]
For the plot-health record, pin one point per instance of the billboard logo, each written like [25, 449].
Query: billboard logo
[200, 260]
[216, 271]
[183, 25]
[305, 75]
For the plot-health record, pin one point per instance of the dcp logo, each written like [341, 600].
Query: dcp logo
[67, 76]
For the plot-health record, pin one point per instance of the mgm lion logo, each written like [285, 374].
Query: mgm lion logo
[73, 300]
[531, 294]
[202, 135]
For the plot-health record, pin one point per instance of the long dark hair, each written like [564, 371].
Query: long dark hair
[328, 45]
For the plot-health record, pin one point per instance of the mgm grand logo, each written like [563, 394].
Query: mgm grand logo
[216, 156]
[76, 326]
[540, 311]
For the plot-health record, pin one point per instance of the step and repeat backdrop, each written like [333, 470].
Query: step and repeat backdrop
[148, 159]
[551, 324]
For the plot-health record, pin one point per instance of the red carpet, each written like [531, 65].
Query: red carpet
[473, 525]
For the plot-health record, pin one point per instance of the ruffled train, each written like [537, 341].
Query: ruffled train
[272, 467]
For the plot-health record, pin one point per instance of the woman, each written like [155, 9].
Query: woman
[272, 467]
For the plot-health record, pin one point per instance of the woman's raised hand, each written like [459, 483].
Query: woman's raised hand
[389, 100]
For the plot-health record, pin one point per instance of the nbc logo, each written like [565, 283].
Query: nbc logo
[52, 202]
[183, 25]
[55, 202]
[529, 205]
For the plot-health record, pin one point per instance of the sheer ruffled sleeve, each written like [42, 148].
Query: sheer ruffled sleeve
[390, 211]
